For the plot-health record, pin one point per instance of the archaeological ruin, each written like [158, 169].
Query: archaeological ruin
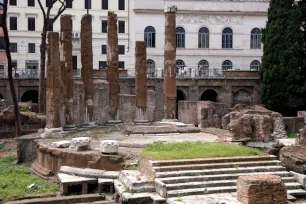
[91, 138]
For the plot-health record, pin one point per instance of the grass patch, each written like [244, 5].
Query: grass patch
[292, 135]
[189, 150]
[14, 180]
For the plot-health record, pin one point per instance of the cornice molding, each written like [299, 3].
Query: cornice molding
[203, 12]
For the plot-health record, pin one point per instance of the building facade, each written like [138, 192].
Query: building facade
[211, 36]
[25, 22]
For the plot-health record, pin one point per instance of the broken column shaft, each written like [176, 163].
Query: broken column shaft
[169, 63]
[87, 67]
[113, 68]
[66, 59]
[54, 83]
[141, 82]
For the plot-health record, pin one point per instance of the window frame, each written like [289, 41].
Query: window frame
[121, 62]
[104, 5]
[227, 66]
[120, 49]
[68, 5]
[121, 26]
[104, 21]
[33, 3]
[34, 20]
[227, 38]
[15, 46]
[255, 65]
[13, 17]
[180, 37]
[13, 4]
[121, 5]
[88, 4]
[150, 36]
[255, 39]
[30, 47]
[150, 68]
[104, 49]
[203, 35]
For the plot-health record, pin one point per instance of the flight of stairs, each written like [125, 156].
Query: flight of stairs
[177, 178]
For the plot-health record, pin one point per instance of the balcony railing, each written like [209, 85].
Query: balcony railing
[188, 73]
[26, 74]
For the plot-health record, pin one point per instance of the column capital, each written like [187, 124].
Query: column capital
[170, 9]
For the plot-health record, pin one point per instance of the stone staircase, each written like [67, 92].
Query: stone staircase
[177, 178]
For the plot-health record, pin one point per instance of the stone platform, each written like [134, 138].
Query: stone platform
[50, 159]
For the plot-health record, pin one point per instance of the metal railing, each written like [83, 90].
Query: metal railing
[182, 72]
[25, 74]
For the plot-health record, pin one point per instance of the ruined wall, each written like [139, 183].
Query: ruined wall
[302, 114]
[151, 105]
[127, 107]
[293, 124]
[187, 112]
[101, 101]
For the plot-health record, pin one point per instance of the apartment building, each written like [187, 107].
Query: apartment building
[25, 23]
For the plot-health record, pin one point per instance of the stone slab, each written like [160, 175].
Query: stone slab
[62, 144]
[88, 173]
[74, 180]
[135, 182]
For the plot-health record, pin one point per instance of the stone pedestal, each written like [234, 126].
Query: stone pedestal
[87, 68]
[80, 143]
[113, 68]
[264, 189]
[66, 59]
[109, 146]
[170, 63]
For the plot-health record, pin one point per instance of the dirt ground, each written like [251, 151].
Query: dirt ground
[9, 145]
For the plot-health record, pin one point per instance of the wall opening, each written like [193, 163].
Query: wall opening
[242, 97]
[1, 96]
[31, 95]
[209, 95]
[180, 96]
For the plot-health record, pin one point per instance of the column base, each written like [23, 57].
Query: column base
[142, 122]
[70, 127]
[113, 122]
[89, 125]
[169, 120]
[52, 132]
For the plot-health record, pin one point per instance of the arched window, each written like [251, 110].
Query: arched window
[180, 37]
[226, 65]
[255, 38]
[204, 38]
[149, 36]
[255, 65]
[180, 63]
[227, 38]
[150, 68]
[203, 67]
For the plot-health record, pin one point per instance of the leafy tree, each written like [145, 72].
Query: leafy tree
[4, 6]
[283, 63]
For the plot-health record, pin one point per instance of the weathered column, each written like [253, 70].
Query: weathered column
[141, 116]
[54, 83]
[169, 63]
[87, 67]
[113, 68]
[66, 59]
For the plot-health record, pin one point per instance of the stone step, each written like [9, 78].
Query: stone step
[289, 183]
[185, 179]
[219, 171]
[216, 166]
[297, 192]
[200, 191]
[221, 183]
[224, 189]
[179, 162]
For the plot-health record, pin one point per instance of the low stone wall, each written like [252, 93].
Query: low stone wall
[187, 112]
[98, 73]
[263, 189]
[28, 146]
[127, 107]
[240, 73]
[101, 101]
[294, 124]
[302, 114]
[50, 159]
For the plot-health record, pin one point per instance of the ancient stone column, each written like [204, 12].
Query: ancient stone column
[66, 59]
[87, 67]
[141, 116]
[169, 63]
[113, 68]
[54, 85]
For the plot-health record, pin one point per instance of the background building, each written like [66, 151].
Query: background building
[25, 22]
[211, 35]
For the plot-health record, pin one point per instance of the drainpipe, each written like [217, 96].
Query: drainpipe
[128, 47]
